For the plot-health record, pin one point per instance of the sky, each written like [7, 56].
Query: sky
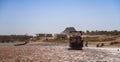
[53, 16]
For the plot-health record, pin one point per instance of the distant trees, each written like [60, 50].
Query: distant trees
[96, 32]
[12, 38]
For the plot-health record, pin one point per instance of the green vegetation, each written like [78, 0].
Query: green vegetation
[14, 38]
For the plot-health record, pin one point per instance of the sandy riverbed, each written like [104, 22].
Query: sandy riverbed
[57, 53]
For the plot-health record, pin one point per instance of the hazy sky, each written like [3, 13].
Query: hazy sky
[53, 16]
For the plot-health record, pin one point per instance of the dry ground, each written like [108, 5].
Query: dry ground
[57, 53]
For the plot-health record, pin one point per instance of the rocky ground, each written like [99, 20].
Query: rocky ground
[57, 53]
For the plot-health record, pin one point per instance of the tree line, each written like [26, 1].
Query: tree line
[98, 32]
[13, 38]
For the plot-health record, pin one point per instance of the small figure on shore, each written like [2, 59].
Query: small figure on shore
[102, 44]
[97, 45]
[86, 44]
[118, 50]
